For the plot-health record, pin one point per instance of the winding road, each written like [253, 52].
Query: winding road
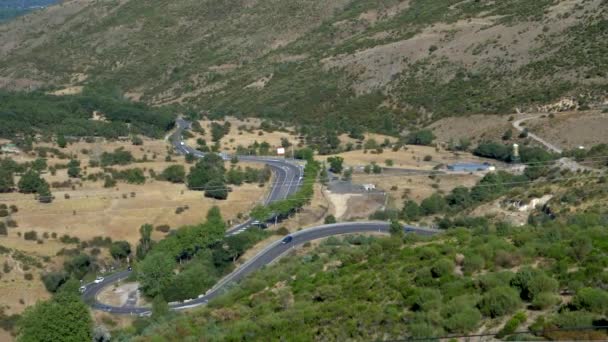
[287, 181]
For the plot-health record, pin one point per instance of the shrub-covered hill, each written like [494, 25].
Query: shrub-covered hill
[500, 279]
[342, 63]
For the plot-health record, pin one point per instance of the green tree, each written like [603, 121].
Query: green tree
[30, 182]
[335, 164]
[145, 240]
[174, 174]
[411, 211]
[63, 318]
[235, 176]
[52, 281]
[216, 188]
[120, 249]
[7, 180]
[499, 301]
[210, 167]
[155, 273]
[421, 137]
[433, 204]
[61, 142]
[396, 229]
[74, 168]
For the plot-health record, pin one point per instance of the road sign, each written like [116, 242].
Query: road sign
[281, 151]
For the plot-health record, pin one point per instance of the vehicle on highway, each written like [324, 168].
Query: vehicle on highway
[182, 143]
[287, 239]
[98, 280]
[82, 289]
[129, 268]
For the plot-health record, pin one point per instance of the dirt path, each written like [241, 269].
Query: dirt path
[548, 145]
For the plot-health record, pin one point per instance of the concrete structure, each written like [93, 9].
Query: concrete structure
[471, 167]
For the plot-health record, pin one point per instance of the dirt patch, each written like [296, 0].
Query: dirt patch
[339, 203]
[361, 206]
[475, 127]
[121, 294]
[572, 129]
[68, 91]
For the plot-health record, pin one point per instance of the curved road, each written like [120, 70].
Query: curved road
[271, 253]
[288, 175]
[287, 181]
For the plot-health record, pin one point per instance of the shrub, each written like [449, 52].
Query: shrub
[499, 301]
[52, 281]
[427, 158]
[120, 249]
[329, 219]
[442, 268]
[512, 324]
[3, 230]
[163, 228]
[282, 231]
[473, 263]
[31, 235]
[544, 300]
[422, 137]
[591, 299]
[3, 213]
[28, 276]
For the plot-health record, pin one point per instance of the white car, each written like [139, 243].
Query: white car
[82, 289]
[98, 280]
[182, 143]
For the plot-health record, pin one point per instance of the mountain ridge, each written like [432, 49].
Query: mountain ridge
[342, 63]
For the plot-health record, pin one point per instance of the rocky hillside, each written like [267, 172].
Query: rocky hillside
[341, 62]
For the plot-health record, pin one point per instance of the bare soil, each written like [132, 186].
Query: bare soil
[572, 129]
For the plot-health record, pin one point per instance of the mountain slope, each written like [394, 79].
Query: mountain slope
[339, 62]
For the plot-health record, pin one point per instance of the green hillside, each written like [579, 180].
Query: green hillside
[493, 280]
[340, 63]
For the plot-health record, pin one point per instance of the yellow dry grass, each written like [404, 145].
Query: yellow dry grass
[244, 138]
[412, 157]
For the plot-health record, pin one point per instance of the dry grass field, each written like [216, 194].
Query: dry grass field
[249, 133]
[411, 157]
[572, 129]
[88, 210]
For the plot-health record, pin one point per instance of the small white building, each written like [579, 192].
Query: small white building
[369, 187]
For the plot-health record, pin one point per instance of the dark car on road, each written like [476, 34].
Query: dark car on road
[287, 239]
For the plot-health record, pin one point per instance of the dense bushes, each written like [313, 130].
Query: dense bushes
[174, 174]
[36, 112]
[118, 157]
[202, 253]
[422, 293]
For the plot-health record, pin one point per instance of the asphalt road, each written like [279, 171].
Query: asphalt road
[287, 181]
[271, 253]
[287, 174]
